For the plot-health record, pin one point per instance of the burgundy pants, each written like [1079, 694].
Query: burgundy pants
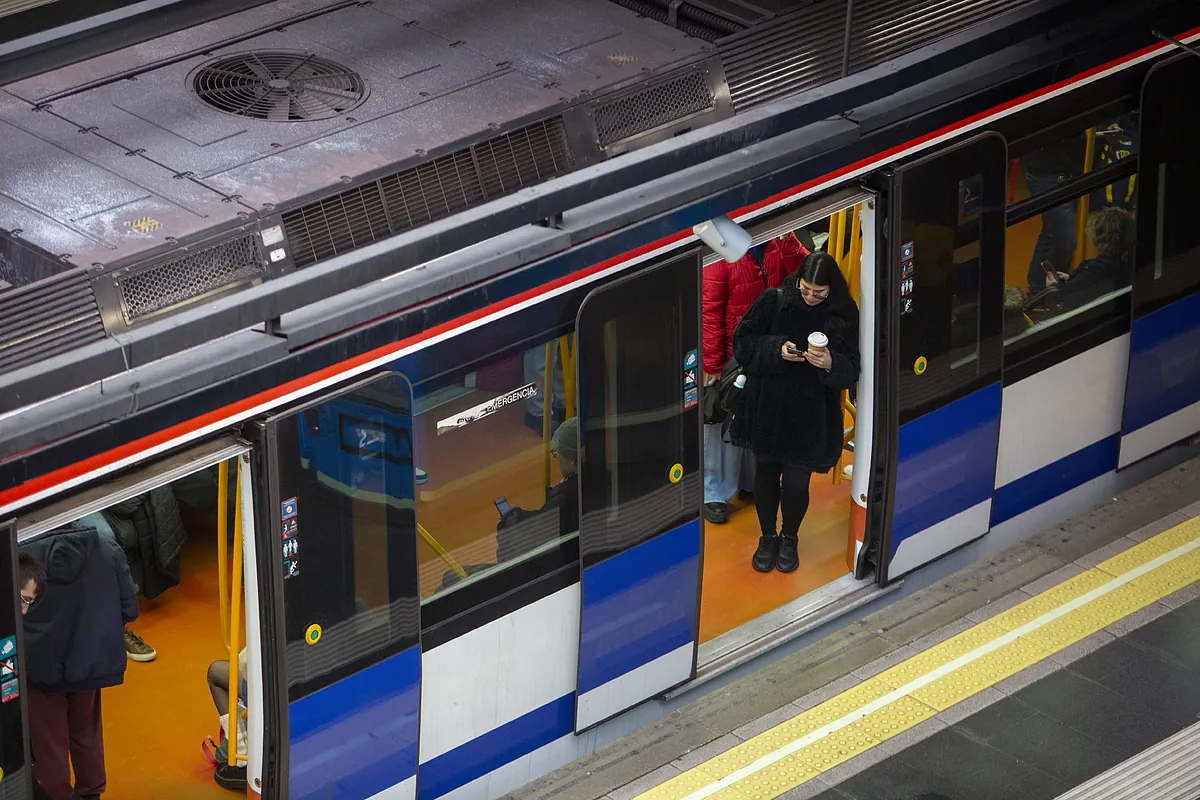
[65, 731]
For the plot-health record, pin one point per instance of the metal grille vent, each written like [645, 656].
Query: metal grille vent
[47, 318]
[430, 191]
[885, 29]
[189, 277]
[279, 86]
[649, 108]
[787, 55]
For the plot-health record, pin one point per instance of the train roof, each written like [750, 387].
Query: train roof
[212, 332]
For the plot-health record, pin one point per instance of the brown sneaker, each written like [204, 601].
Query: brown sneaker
[136, 649]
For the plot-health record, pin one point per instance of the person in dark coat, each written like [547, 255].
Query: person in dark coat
[730, 289]
[1111, 232]
[790, 411]
[75, 646]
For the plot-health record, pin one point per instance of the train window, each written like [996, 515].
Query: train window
[345, 482]
[639, 344]
[497, 497]
[1168, 258]
[948, 258]
[1047, 167]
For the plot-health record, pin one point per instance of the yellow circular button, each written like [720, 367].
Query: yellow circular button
[313, 634]
[921, 365]
[676, 473]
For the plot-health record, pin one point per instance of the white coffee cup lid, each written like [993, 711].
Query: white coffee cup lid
[818, 339]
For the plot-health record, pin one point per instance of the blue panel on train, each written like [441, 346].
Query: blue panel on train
[1164, 364]
[358, 736]
[497, 747]
[946, 462]
[1063, 475]
[639, 605]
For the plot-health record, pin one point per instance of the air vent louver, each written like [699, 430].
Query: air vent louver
[47, 318]
[430, 191]
[279, 86]
[194, 275]
[649, 108]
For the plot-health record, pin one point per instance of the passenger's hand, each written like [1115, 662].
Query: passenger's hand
[1063, 276]
[788, 355]
[822, 359]
[709, 379]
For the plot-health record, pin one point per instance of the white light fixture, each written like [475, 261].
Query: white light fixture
[724, 236]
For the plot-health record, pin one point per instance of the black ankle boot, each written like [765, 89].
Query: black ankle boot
[767, 552]
[789, 557]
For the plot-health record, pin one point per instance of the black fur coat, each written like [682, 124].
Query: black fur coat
[791, 412]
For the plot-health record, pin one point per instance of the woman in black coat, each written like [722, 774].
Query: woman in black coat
[790, 412]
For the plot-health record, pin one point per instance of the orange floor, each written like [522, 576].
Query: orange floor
[153, 724]
[733, 593]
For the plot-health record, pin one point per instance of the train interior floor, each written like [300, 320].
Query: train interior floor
[155, 722]
[1024, 675]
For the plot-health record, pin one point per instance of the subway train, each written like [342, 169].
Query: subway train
[456, 511]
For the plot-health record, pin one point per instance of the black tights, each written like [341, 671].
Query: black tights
[770, 492]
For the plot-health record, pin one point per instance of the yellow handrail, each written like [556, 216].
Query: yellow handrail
[566, 352]
[1081, 212]
[441, 551]
[547, 412]
[223, 549]
[235, 602]
[847, 435]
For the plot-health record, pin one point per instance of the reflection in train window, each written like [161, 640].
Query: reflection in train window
[1088, 149]
[496, 477]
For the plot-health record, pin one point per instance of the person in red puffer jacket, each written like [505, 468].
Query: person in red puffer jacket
[729, 292]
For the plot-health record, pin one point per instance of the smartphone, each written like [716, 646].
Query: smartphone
[503, 507]
[794, 350]
[1051, 272]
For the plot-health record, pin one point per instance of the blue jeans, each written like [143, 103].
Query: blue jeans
[722, 466]
[1056, 242]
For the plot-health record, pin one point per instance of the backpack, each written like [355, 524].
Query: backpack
[720, 398]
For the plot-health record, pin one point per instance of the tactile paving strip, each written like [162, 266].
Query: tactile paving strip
[988, 669]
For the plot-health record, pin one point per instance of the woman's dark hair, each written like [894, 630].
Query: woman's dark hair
[30, 569]
[821, 269]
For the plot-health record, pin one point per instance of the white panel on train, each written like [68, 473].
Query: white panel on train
[1061, 410]
[406, 790]
[1159, 434]
[494, 674]
[942, 537]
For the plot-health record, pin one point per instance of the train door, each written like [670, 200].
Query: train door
[1162, 393]
[170, 531]
[15, 776]
[946, 269]
[640, 487]
[338, 536]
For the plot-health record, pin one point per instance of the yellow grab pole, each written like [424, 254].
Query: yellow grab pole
[441, 551]
[834, 248]
[547, 412]
[223, 549]
[566, 360]
[235, 603]
[1081, 212]
[853, 267]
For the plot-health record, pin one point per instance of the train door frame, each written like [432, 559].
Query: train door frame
[315, 697]
[67, 506]
[913, 446]
[1162, 391]
[16, 783]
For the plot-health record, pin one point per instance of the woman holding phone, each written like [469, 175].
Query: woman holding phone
[798, 346]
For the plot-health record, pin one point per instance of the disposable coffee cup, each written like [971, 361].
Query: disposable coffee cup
[817, 342]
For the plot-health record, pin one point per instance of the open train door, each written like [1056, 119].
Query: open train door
[338, 538]
[641, 488]
[946, 270]
[1162, 393]
[16, 776]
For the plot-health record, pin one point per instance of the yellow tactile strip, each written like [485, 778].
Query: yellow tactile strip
[881, 707]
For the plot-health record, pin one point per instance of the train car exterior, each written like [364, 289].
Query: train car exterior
[376, 672]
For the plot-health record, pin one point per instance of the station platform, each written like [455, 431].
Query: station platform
[1067, 666]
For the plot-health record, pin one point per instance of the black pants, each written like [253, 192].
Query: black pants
[776, 485]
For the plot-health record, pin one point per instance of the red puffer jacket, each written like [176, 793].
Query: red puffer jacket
[730, 290]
